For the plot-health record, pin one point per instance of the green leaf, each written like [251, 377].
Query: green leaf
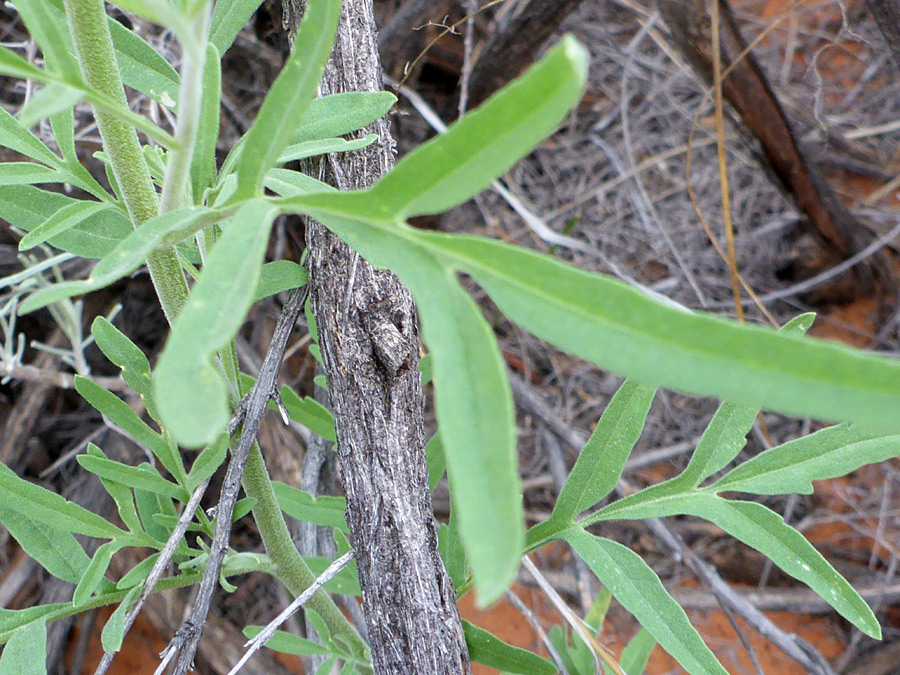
[114, 631]
[129, 253]
[203, 165]
[637, 652]
[286, 183]
[790, 468]
[298, 151]
[63, 220]
[437, 462]
[284, 106]
[17, 137]
[722, 440]
[454, 167]
[48, 101]
[190, 393]
[451, 550]
[26, 651]
[474, 410]
[28, 207]
[50, 37]
[141, 66]
[132, 476]
[13, 65]
[339, 114]
[136, 575]
[29, 173]
[425, 369]
[324, 510]
[310, 413]
[47, 507]
[207, 462]
[766, 531]
[345, 582]
[639, 590]
[726, 434]
[602, 460]
[276, 277]
[622, 329]
[288, 643]
[120, 413]
[121, 351]
[95, 572]
[122, 496]
[491, 651]
[151, 505]
[157, 11]
[57, 551]
[229, 17]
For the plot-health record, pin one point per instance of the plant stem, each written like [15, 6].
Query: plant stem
[93, 47]
[292, 570]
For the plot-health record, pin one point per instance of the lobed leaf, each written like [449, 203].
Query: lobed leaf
[95, 572]
[207, 462]
[639, 590]
[132, 477]
[766, 531]
[191, 396]
[137, 574]
[489, 650]
[726, 434]
[602, 460]
[49, 100]
[121, 351]
[791, 467]
[120, 413]
[29, 173]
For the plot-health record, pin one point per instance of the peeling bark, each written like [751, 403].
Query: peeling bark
[369, 341]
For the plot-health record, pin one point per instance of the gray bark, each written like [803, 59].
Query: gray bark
[369, 342]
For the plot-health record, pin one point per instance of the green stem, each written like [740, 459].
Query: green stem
[94, 49]
[292, 569]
